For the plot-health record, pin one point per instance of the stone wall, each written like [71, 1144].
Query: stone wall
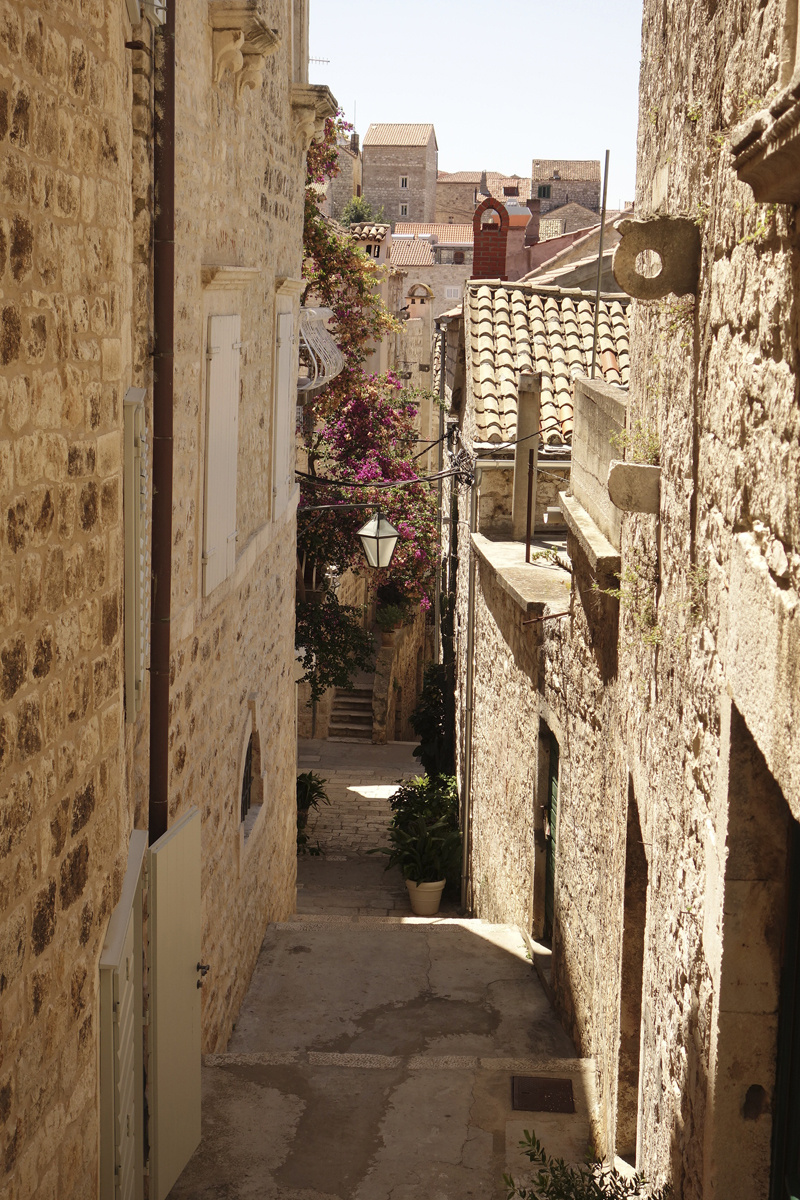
[382, 168]
[65, 358]
[671, 708]
[399, 669]
[455, 202]
[344, 186]
[585, 192]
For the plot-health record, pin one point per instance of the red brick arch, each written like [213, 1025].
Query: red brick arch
[489, 249]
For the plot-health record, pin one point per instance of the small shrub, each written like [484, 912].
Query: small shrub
[425, 852]
[428, 720]
[555, 1180]
[432, 799]
[392, 615]
[310, 794]
[640, 445]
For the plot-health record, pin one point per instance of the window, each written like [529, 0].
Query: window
[403, 210]
[222, 445]
[283, 429]
[543, 191]
[247, 779]
[403, 181]
[458, 256]
[510, 191]
[452, 293]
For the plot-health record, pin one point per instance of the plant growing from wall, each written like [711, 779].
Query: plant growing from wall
[556, 1180]
[640, 444]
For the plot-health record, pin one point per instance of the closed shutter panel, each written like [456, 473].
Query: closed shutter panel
[175, 932]
[284, 416]
[222, 444]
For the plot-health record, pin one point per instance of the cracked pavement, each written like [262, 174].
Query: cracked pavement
[373, 1055]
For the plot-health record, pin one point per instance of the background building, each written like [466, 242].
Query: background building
[399, 171]
[557, 182]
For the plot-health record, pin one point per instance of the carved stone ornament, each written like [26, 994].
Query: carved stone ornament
[676, 241]
[241, 41]
[766, 148]
[312, 104]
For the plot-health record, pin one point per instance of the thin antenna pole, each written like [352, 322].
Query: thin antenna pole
[599, 266]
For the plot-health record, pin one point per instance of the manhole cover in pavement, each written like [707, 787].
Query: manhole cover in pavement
[537, 1093]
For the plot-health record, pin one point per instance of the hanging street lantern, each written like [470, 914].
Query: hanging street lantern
[379, 540]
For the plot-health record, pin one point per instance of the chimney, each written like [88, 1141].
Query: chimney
[489, 242]
[354, 142]
[483, 186]
[532, 228]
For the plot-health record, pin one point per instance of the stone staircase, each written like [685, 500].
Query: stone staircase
[351, 716]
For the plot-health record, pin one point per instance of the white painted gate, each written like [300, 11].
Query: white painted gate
[121, 1049]
[174, 867]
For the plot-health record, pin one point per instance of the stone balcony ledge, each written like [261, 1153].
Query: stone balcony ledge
[535, 586]
[603, 558]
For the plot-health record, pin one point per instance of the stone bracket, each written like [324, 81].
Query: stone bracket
[241, 41]
[766, 148]
[676, 240]
[312, 104]
[634, 487]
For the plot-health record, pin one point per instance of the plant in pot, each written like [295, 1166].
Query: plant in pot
[388, 619]
[425, 852]
[310, 794]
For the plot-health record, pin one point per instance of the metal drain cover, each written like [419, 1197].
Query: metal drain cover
[537, 1093]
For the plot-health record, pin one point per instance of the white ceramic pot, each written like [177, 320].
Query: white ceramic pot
[425, 897]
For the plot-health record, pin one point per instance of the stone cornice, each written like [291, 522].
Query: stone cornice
[228, 278]
[766, 148]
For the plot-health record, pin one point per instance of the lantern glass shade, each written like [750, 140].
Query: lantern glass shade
[379, 539]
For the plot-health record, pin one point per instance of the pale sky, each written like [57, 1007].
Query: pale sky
[501, 82]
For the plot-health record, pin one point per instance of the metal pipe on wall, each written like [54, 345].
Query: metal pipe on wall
[437, 609]
[466, 803]
[163, 385]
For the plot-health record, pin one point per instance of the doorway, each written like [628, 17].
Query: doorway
[631, 981]
[550, 828]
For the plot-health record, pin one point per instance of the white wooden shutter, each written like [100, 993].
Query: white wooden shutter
[284, 416]
[222, 445]
[174, 1001]
[121, 1050]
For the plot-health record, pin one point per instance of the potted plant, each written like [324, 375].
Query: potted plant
[310, 794]
[388, 619]
[425, 853]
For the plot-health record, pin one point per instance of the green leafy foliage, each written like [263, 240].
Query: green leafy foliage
[640, 444]
[310, 794]
[392, 615]
[333, 643]
[435, 749]
[425, 852]
[358, 208]
[555, 1180]
[434, 800]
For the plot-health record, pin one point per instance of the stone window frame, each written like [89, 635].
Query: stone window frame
[403, 182]
[543, 191]
[249, 830]
[404, 209]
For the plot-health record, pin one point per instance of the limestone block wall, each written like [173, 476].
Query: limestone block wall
[455, 202]
[571, 191]
[382, 168]
[65, 359]
[239, 186]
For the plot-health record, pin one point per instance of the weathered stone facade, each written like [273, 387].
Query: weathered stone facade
[77, 327]
[385, 166]
[675, 863]
[65, 355]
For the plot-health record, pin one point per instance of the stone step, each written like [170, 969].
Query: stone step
[361, 732]
[351, 718]
[363, 710]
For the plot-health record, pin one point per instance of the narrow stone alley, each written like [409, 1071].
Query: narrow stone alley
[374, 1051]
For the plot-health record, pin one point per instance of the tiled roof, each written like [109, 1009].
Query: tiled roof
[446, 234]
[521, 327]
[459, 177]
[568, 168]
[551, 227]
[497, 184]
[410, 252]
[368, 231]
[399, 135]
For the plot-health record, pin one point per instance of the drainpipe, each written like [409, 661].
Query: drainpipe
[163, 368]
[466, 804]
[437, 609]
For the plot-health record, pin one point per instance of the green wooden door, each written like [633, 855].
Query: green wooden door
[552, 818]
[786, 1140]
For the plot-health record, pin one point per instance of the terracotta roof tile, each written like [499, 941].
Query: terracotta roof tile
[444, 233]
[568, 168]
[521, 327]
[410, 252]
[368, 231]
[399, 135]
